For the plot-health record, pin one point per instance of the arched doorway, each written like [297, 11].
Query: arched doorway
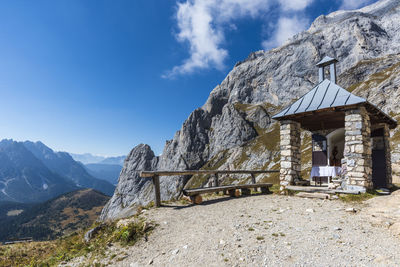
[335, 141]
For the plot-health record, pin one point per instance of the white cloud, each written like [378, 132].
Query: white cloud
[285, 28]
[294, 5]
[202, 25]
[354, 4]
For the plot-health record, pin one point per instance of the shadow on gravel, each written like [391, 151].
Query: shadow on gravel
[209, 202]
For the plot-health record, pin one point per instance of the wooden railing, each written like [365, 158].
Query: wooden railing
[19, 240]
[156, 177]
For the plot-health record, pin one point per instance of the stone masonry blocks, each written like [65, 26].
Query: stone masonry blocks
[290, 152]
[357, 148]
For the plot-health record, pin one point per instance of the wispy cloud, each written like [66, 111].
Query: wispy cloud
[294, 5]
[354, 4]
[285, 28]
[202, 25]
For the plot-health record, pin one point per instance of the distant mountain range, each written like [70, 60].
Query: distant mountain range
[32, 172]
[88, 158]
[108, 172]
[105, 168]
[62, 215]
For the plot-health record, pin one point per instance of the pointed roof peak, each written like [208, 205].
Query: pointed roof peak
[326, 61]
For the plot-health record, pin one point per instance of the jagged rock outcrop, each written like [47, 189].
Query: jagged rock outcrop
[187, 150]
[258, 115]
[234, 130]
[132, 190]
[229, 129]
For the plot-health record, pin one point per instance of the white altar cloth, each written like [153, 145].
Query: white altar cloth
[325, 171]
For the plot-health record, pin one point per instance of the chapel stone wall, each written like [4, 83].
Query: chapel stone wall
[357, 148]
[290, 152]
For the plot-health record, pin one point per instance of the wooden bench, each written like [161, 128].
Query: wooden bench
[232, 190]
[155, 175]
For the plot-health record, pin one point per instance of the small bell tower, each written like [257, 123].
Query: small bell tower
[327, 61]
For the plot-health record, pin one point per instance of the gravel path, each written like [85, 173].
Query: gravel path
[264, 230]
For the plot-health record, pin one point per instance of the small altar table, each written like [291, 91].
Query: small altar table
[325, 171]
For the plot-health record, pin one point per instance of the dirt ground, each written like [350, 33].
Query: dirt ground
[268, 230]
[384, 211]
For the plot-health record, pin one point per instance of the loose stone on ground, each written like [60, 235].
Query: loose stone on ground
[219, 234]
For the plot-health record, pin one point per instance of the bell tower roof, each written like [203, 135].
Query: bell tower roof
[326, 61]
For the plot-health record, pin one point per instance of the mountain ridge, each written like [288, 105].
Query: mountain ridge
[32, 172]
[107, 172]
[24, 178]
[63, 164]
[88, 158]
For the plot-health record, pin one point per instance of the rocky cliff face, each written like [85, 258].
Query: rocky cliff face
[233, 129]
[132, 190]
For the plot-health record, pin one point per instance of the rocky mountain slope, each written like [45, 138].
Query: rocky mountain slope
[56, 217]
[32, 172]
[63, 164]
[234, 130]
[24, 178]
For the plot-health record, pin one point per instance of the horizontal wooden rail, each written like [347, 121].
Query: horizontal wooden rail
[156, 177]
[204, 190]
[193, 172]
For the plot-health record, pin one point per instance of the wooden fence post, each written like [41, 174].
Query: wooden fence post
[156, 182]
[253, 181]
[216, 181]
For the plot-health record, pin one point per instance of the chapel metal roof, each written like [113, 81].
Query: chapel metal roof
[326, 94]
[329, 97]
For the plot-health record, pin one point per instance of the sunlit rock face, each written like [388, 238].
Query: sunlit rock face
[132, 190]
[233, 129]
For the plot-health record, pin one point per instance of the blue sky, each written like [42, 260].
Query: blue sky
[103, 76]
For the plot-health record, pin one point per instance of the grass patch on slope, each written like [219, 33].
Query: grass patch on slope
[365, 196]
[306, 155]
[374, 79]
[396, 136]
[51, 253]
[359, 197]
[199, 180]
